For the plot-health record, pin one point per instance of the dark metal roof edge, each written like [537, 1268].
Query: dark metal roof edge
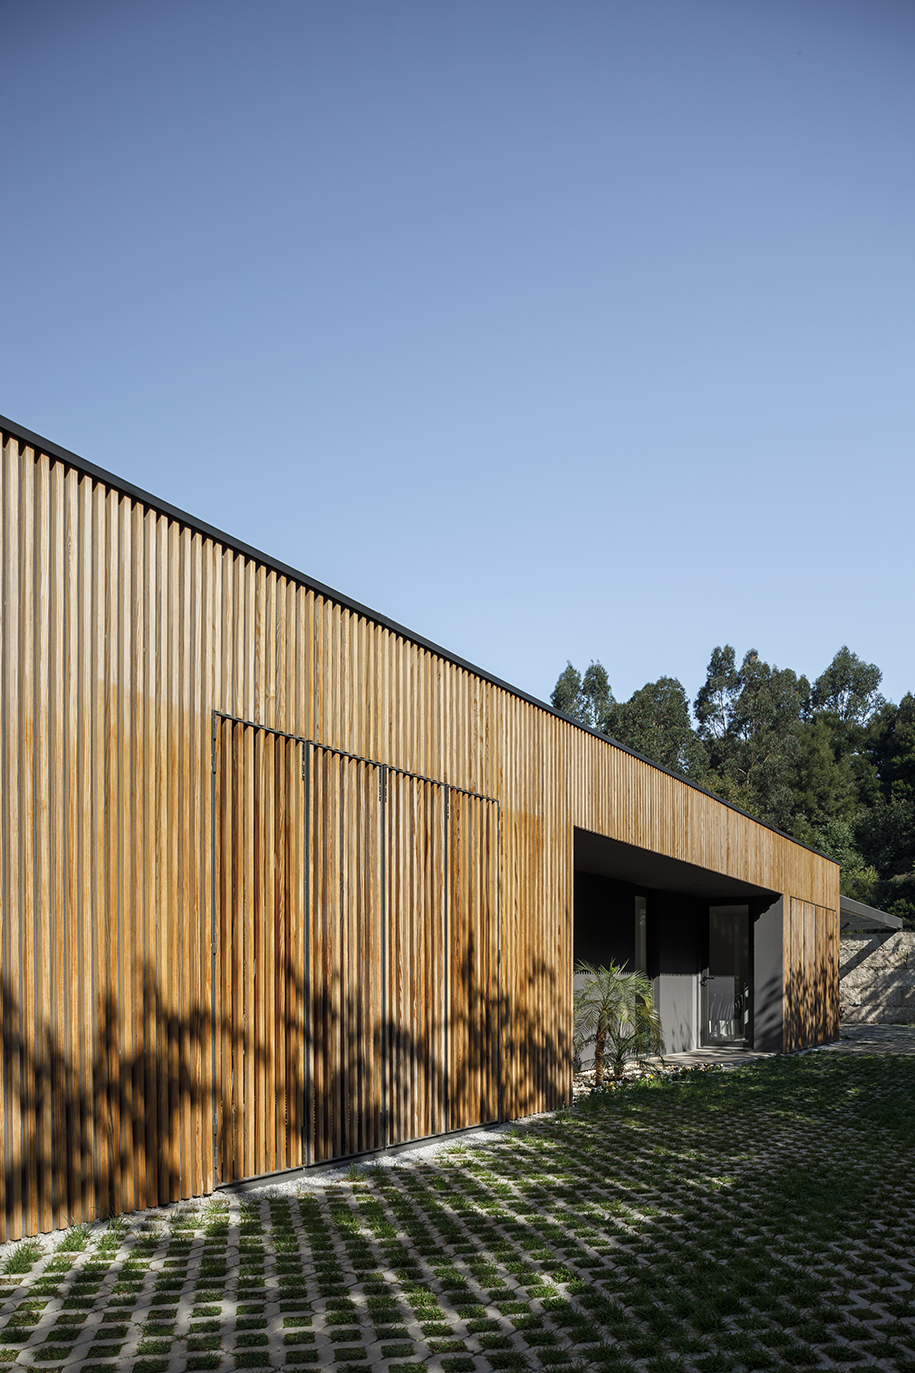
[864, 912]
[64, 455]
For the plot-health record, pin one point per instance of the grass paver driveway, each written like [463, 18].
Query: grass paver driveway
[757, 1218]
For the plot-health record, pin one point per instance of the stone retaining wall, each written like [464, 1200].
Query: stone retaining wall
[877, 977]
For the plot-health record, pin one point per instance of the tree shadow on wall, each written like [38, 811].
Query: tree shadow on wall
[124, 1118]
[501, 1059]
[811, 1010]
[119, 1120]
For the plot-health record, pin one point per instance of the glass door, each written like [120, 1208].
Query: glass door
[726, 980]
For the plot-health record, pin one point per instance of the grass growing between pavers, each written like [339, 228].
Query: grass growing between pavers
[760, 1218]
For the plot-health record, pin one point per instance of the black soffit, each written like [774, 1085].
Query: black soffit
[641, 868]
[145, 498]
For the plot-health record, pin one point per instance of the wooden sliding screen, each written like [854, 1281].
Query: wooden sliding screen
[355, 954]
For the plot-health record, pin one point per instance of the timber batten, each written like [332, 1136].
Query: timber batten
[280, 882]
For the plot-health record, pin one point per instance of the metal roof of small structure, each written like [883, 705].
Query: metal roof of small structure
[854, 915]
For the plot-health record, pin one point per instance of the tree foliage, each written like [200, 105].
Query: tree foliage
[655, 722]
[848, 691]
[587, 698]
[749, 718]
[886, 829]
[831, 763]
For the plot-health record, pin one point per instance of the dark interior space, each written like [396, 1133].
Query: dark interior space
[605, 925]
[604, 920]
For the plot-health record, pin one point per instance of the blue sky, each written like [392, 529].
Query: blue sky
[552, 330]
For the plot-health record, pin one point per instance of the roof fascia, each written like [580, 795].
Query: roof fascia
[858, 910]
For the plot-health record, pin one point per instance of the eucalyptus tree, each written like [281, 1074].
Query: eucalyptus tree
[655, 722]
[749, 719]
[587, 698]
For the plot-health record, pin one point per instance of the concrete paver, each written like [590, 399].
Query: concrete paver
[672, 1228]
[874, 1039]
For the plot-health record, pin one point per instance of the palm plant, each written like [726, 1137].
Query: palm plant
[615, 1011]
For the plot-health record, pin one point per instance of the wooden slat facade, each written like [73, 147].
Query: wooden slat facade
[810, 957]
[279, 883]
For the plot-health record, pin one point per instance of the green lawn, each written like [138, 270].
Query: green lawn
[757, 1218]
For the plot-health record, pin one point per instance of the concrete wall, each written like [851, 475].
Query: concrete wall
[877, 977]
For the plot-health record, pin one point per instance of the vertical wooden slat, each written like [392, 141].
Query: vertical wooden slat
[159, 910]
[227, 924]
[12, 989]
[125, 950]
[331, 941]
[350, 1064]
[197, 1005]
[278, 969]
[170, 892]
[150, 793]
[110, 688]
[85, 981]
[27, 725]
[56, 928]
[7, 532]
[181, 743]
[44, 911]
[267, 930]
[68, 951]
[352, 1067]
[317, 914]
[245, 1010]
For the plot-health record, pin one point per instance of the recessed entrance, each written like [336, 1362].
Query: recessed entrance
[711, 945]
